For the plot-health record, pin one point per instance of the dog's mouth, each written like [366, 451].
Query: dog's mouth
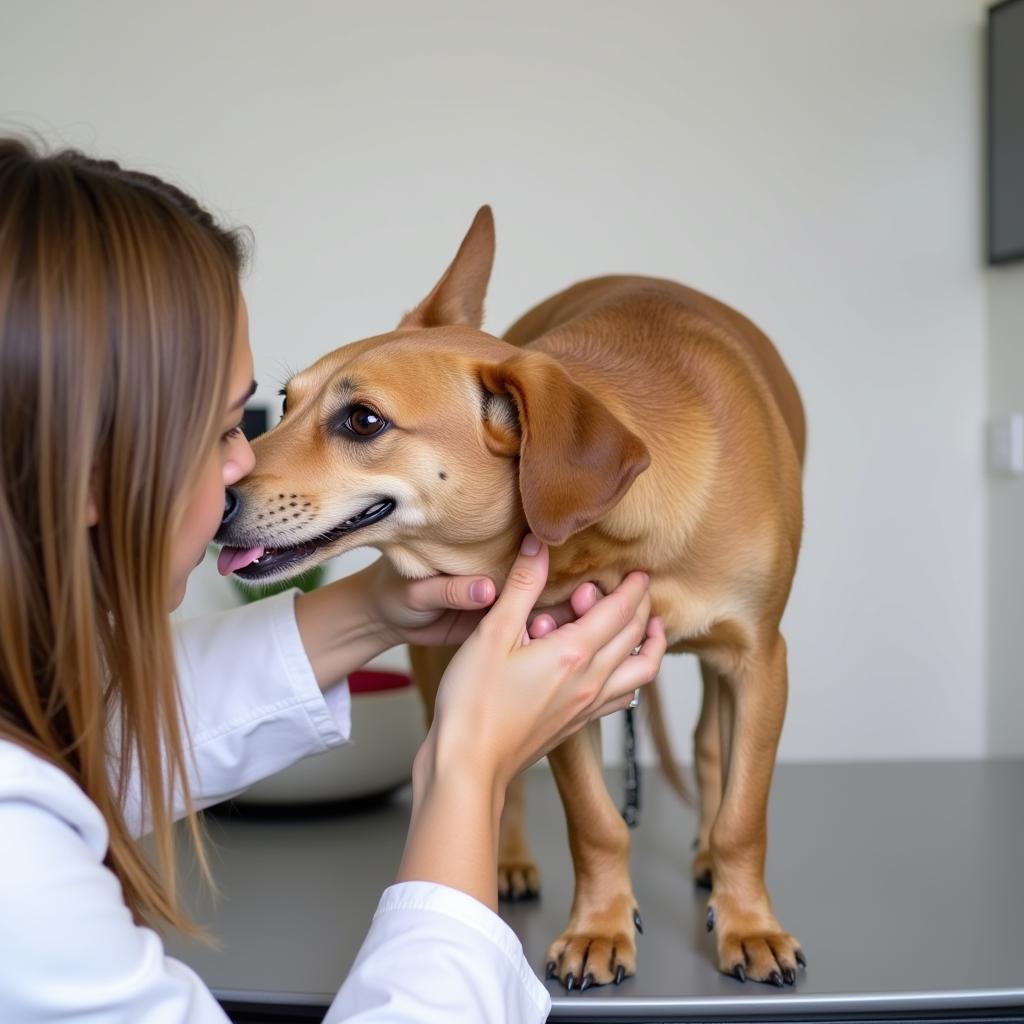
[258, 562]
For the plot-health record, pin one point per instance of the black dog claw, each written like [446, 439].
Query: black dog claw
[550, 971]
[789, 976]
[738, 973]
[775, 979]
[636, 920]
[711, 918]
[800, 958]
[588, 980]
[620, 973]
[570, 981]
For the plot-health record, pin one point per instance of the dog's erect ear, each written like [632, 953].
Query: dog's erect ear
[458, 298]
[576, 460]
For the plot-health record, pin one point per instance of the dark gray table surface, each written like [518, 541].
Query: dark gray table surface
[903, 882]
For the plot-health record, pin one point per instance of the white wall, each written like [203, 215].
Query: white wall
[814, 162]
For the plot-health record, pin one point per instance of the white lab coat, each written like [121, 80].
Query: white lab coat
[69, 950]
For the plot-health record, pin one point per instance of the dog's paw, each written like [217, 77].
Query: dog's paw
[701, 869]
[518, 880]
[598, 946]
[752, 946]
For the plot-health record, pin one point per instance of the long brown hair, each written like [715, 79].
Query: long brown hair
[118, 303]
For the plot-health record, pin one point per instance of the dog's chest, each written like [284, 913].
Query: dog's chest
[694, 613]
[691, 610]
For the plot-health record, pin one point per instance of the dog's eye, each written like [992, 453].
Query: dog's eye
[364, 422]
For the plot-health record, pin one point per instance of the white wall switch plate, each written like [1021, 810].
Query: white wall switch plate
[1006, 444]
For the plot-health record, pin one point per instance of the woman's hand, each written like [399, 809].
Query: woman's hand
[434, 611]
[443, 610]
[505, 700]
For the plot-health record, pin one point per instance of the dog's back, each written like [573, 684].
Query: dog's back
[589, 310]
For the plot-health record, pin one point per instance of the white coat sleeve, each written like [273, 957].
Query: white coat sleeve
[435, 954]
[250, 702]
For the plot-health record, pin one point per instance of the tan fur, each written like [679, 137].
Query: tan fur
[632, 423]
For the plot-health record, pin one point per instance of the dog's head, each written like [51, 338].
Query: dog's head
[436, 443]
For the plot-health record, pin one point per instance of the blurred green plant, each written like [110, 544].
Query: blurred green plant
[308, 581]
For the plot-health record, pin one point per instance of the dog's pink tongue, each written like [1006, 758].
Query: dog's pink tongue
[232, 559]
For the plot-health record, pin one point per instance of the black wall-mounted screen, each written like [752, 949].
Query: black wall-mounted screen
[1006, 131]
[254, 421]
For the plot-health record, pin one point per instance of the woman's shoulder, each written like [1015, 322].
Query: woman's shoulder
[33, 789]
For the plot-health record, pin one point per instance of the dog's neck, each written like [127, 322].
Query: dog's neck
[592, 555]
[420, 557]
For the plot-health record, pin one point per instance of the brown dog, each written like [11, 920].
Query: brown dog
[630, 423]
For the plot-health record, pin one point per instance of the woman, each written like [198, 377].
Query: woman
[124, 367]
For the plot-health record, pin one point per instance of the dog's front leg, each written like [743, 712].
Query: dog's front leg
[707, 761]
[749, 938]
[599, 943]
[518, 874]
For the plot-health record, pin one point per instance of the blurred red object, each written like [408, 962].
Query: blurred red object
[370, 680]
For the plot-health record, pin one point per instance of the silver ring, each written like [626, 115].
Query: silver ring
[636, 650]
[635, 702]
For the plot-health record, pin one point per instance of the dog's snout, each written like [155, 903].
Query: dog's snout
[232, 503]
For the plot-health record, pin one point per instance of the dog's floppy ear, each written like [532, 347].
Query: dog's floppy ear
[576, 460]
[458, 298]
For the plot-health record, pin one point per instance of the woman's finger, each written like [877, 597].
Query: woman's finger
[639, 669]
[610, 615]
[651, 651]
[546, 620]
[584, 597]
[542, 625]
[614, 706]
[467, 593]
[523, 586]
[626, 641]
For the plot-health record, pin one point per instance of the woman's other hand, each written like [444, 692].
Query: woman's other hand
[507, 698]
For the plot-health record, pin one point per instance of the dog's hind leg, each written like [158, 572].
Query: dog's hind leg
[518, 874]
[599, 942]
[749, 938]
[707, 760]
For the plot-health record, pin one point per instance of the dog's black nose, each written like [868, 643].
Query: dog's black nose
[231, 506]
